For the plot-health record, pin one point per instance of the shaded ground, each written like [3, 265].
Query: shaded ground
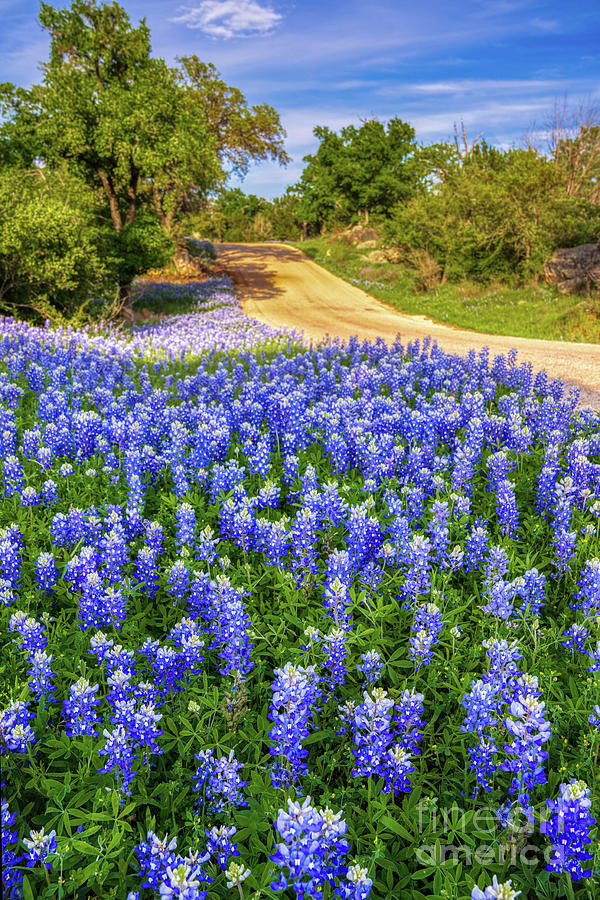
[279, 285]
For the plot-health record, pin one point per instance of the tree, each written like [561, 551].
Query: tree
[358, 171]
[242, 134]
[571, 137]
[120, 120]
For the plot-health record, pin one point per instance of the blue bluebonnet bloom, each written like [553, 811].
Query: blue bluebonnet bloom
[218, 781]
[120, 757]
[16, 730]
[41, 675]
[588, 594]
[46, 571]
[575, 638]
[40, 846]
[495, 891]
[569, 830]
[79, 709]
[168, 873]
[426, 629]
[312, 851]
[335, 652]
[371, 666]
[185, 522]
[293, 707]
[12, 875]
[30, 630]
[219, 844]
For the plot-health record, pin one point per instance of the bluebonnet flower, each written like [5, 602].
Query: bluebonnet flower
[564, 549]
[568, 830]
[10, 561]
[337, 601]
[41, 675]
[185, 521]
[295, 695]
[15, 728]
[13, 475]
[236, 874]
[40, 846]
[46, 571]
[476, 546]
[500, 595]
[483, 763]
[531, 588]
[206, 545]
[155, 856]
[313, 849]
[49, 492]
[30, 630]
[100, 645]
[589, 589]
[12, 876]
[495, 891]
[120, 757]
[575, 638]
[496, 565]
[372, 732]
[219, 781]
[426, 627]
[79, 709]
[408, 720]
[371, 666]
[335, 652]
[529, 729]
[144, 729]
[220, 845]
[7, 594]
[168, 873]
[482, 705]
[357, 885]
[418, 577]
[179, 581]
[594, 718]
[227, 619]
[146, 571]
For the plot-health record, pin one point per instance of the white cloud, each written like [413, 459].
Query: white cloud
[230, 18]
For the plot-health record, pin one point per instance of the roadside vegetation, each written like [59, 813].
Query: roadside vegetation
[529, 310]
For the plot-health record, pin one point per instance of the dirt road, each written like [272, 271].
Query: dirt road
[279, 285]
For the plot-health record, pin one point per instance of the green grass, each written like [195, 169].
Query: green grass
[534, 311]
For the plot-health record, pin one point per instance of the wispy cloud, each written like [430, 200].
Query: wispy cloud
[230, 18]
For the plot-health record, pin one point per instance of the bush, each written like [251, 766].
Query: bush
[495, 216]
[51, 245]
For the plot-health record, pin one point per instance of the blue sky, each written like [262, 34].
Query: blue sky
[498, 66]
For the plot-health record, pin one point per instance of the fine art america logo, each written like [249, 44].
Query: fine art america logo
[486, 836]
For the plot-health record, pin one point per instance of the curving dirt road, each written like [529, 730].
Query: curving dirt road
[279, 285]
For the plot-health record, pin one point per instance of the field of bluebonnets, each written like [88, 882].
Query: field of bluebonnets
[282, 621]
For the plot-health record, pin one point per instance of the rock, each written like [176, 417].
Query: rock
[356, 234]
[366, 245]
[394, 255]
[377, 256]
[574, 269]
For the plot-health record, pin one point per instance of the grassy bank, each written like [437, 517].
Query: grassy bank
[530, 311]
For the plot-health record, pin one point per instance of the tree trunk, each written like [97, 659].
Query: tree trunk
[126, 301]
[305, 230]
[113, 201]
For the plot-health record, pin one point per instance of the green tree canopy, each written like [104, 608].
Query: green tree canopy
[497, 214]
[358, 171]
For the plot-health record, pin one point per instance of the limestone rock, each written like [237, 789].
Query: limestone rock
[574, 268]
